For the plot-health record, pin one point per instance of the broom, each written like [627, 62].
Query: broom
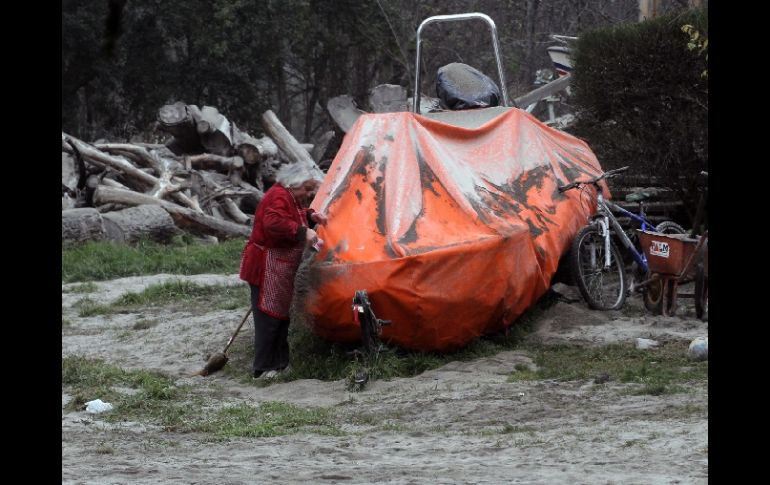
[219, 359]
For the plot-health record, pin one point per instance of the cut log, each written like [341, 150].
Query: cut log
[143, 221]
[285, 141]
[183, 217]
[319, 151]
[388, 98]
[160, 186]
[344, 111]
[174, 116]
[251, 149]
[113, 183]
[216, 211]
[69, 172]
[84, 224]
[110, 208]
[208, 161]
[67, 202]
[105, 160]
[236, 175]
[214, 130]
[266, 147]
[140, 154]
[543, 92]
[176, 120]
[235, 212]
[246, 146]
[215, 191]
[254, 191]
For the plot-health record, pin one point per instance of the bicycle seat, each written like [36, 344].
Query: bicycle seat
[638, 196]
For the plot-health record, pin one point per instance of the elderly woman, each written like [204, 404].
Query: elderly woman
[271, 258]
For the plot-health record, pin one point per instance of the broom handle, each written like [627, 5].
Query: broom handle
[236, 331]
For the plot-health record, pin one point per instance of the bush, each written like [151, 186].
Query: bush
[642, 98]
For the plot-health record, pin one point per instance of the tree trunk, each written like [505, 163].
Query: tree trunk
[84, 224]
[525, 74]
[343, 111]
[195, 221]
[285, 141]
[129, 225]
[648, 9]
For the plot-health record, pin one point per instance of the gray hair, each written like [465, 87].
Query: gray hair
[292, 175]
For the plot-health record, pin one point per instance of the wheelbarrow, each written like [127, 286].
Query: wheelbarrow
[674, 259]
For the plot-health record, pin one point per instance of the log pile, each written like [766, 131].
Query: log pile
[207, 179]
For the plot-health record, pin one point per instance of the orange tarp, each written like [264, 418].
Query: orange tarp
[452, 231]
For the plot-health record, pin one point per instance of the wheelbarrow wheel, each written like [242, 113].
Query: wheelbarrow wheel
[653, 296]
[701, 293]
[669, 301]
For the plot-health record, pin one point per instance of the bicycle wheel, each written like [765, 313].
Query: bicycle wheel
[602, 288]
[669, 227]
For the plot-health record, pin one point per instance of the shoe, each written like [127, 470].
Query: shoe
[271, 374]
[257, 374]
[286, 370]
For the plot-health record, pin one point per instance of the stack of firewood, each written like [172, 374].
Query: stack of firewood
[207, 179]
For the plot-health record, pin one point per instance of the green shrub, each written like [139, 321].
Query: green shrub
[642, 98]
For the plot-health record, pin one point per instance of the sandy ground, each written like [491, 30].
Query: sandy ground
[461, 423]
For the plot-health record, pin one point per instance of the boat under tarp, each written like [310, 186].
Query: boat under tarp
[452, 222]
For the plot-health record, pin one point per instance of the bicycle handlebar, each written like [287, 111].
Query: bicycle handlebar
[607, 174]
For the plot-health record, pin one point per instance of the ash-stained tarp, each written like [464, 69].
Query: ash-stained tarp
[453, 231]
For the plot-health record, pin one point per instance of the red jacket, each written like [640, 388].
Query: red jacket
[273, 252]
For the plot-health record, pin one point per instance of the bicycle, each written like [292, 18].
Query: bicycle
[595, 260]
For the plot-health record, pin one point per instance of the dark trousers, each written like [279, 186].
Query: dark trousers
[271, 338]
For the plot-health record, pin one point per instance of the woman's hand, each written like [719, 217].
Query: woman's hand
[319, 218]
[310, 235]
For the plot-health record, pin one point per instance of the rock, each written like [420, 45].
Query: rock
[699, 349]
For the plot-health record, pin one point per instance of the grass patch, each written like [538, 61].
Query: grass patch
[144, 324]
[104, 449]
[209, 297]
[65, 323]
[510, 428]
[91, 379]
[267, 419]
[99, 260]
[659, 371]
[332, 361]
[82, 288]
[159, 401]
[87, 307]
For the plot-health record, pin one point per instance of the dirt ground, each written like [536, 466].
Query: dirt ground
[444, 425]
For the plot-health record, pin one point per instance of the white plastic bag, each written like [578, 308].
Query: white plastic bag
[98, 406]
